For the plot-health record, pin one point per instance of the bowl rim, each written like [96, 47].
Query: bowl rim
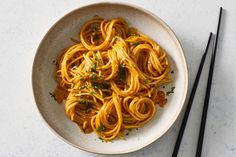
[166, 27]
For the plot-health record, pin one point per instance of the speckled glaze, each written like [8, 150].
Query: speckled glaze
[58, 38]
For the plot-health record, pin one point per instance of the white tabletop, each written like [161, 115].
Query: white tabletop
[24, 23]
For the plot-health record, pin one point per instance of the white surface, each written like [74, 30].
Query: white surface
[24, 23]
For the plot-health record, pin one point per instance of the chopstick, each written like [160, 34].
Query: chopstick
[188, 108]
[208, 91]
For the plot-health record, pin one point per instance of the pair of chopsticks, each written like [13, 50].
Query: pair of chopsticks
[207, 95]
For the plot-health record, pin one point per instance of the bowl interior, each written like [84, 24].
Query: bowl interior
[58, 38]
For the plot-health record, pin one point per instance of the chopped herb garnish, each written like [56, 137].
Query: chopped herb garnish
[101, 128]
[171, 91]
[94, 76]
[92, 92]
[84, 102]
[74, 40]
[87, 71]
[94, 28]
[136, 43]
[81, 76]
[53, 96]
[172, 72]
[122, 73]
[86, 105]
[101, 85]
[94, 67]
[127, 134]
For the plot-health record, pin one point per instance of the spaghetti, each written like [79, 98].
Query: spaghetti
[110, 78]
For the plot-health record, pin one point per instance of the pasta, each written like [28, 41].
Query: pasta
[111, 78]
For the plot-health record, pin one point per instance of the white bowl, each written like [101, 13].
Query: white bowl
[58, 38]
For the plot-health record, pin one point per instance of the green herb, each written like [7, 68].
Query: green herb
[101, 85]
[136, 43]
[171, 91]
[53, 96]
[101, 128]
[88, 71]
[94, 67]
[74, 40]
[94, 28]
[127, 134]
[92, 92]
[94, 76]
[122, 73]
[81, 76]
[86, 104]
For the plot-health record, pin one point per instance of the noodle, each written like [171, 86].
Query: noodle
[110, 78]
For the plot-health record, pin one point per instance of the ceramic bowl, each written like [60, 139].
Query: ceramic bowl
[58, 38]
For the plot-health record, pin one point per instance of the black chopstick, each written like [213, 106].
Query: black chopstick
[208, 91]
[186, 114]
